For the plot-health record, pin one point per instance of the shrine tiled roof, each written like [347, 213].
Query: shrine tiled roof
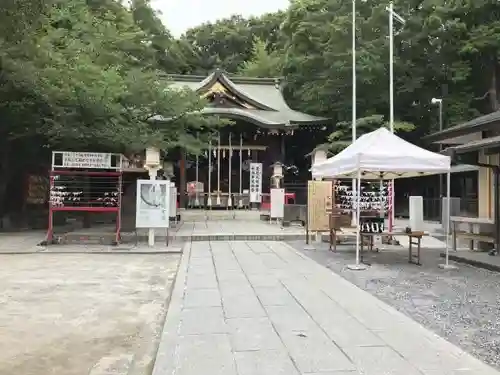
[264, 104]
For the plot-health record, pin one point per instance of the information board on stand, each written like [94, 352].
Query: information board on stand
[319, 205]
[153, 204]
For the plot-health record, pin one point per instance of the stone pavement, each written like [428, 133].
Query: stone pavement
[259, 308]
[25, 241]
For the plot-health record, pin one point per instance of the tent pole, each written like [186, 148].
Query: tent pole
[354, 115]
[447, 265]
[358, 266]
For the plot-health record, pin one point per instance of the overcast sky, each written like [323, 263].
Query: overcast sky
[180, 15]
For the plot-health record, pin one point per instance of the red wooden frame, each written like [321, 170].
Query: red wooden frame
[117, 208]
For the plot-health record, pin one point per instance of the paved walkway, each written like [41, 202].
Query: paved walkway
[261, 308]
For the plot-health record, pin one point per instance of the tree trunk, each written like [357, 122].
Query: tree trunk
[4, 177]
[493, 92]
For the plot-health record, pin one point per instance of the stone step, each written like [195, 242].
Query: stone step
[128, 238]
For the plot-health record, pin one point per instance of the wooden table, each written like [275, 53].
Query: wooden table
[415, 239]
[336, 222]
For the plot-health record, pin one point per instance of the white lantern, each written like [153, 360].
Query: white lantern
[278, 169]
[319, 156]
[152, 157]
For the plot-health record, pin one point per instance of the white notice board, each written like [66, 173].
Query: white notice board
[255, 182]
[277, 203]
[86, 160]
[173, 200]
[153, 204]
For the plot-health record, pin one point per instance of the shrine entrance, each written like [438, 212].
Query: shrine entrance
[226, 176]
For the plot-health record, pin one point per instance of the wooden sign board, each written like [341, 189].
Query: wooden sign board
[319, 204]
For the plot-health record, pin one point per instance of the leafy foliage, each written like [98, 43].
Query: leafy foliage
[262, 63]
[76, 46]
[342, 136]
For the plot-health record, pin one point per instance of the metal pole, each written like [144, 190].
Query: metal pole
[391, 100]
[496, 199]
[197, 200]
[151, 231]
[209, 198]
[229, 199]
[448, 211]
[353, 124]
[240, 204]
[440, 149]
[218, 172]
[358, 215]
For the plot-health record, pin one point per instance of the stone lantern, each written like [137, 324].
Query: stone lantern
[277, 176]
[318, 155]
[168, 169]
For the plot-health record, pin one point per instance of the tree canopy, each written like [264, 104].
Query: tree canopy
[90, 74]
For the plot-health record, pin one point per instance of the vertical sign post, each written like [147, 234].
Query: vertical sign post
[255, 182]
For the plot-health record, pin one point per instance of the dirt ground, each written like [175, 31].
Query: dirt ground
[82, 314]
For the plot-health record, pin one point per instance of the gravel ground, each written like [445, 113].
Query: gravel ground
[462, 305]
[82, 314]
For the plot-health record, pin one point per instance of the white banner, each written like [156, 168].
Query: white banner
[255, 182]
[90, 160]
[153, 204]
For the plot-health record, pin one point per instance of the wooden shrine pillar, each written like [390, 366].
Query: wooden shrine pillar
[182, 179]
[283, 154]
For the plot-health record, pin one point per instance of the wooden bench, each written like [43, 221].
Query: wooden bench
[470, 235]
[479, 237]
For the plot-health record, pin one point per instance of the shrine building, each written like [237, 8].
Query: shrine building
[264, 130]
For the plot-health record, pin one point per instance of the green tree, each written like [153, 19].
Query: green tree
[81, 75]
[342, 136]
[229, 43]
[263, 63]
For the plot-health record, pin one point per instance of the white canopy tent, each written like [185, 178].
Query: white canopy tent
[382, 155]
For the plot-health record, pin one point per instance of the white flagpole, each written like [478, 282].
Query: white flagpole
[353, 124]
[401, 20]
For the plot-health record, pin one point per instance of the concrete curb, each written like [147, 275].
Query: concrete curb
[146, 364]
[168, 337]
[472, 262]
